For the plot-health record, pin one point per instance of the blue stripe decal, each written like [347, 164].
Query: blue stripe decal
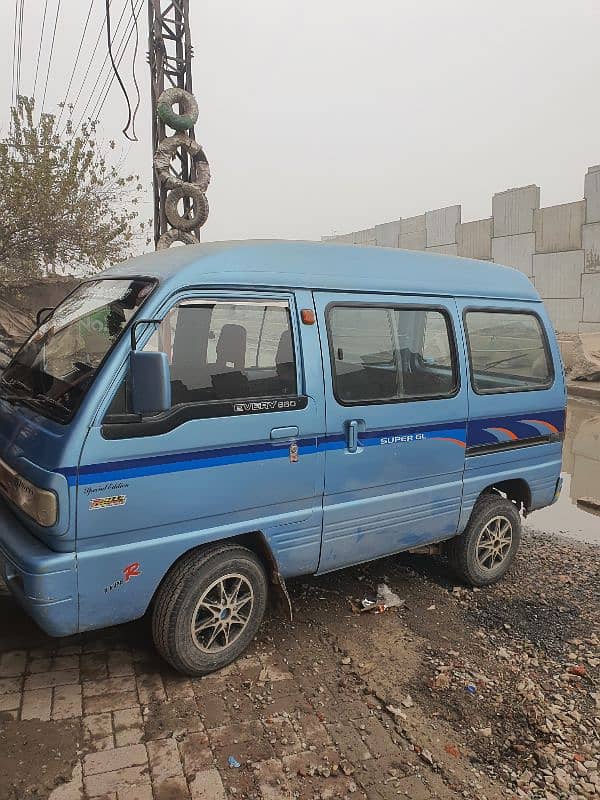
[454, 432]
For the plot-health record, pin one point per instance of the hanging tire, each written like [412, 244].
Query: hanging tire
[164, 107]
[166, 151]
[169, 238]
[209, 608]
[199, 207]
[486, 549]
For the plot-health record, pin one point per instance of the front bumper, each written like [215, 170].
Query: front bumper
[42, 581]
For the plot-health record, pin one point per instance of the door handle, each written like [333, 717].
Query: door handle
[285, 433]
[353, 436]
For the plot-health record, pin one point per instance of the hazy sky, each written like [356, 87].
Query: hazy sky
[336, 115]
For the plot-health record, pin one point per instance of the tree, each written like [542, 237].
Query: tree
[61, 201]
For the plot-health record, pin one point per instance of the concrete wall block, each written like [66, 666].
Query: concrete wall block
[591, 246]
[589, 327]
[590, 290]
[559, 274]
[474, 239]
[515, 251]
[558, 228]
[387, 233]
[591, 193]
[441, 225]
[444, 249]
[364, 237]
[413, 241]
[513, 209]
[565, 314]
[412, 224]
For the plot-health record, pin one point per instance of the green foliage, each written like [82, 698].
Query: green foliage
[61, 201]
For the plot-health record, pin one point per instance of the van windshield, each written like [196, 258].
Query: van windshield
[56, 366]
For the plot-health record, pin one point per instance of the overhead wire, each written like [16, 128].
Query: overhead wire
[116, 74]
[134, 59]
[100, 75]
[85, 27]
[120, 58]
[19, 52]
[37, 64]
[51, 53]
[14, 61]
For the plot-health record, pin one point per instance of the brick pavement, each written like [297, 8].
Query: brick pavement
[295, 724]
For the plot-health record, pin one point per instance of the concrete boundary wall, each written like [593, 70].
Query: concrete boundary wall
[557, 247]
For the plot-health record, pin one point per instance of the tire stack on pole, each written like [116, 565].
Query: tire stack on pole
[181, 170]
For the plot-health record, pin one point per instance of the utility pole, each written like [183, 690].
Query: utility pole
[181, 173]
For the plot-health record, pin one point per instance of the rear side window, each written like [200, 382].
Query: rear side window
[508, 352]
[390, 354]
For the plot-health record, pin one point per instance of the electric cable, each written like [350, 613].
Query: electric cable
[19, 52]
[85, 27]
[51, 54]
[119, 79]
[135, 83]
[37, 64]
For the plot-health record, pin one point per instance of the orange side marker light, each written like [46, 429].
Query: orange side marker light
[307, 315]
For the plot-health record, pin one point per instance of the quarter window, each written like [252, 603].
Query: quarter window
[390, 354]
[507, 351]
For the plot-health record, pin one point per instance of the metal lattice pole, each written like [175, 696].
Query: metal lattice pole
[170, 55]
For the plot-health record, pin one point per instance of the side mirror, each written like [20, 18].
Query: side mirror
[150, 378]
[42, 315]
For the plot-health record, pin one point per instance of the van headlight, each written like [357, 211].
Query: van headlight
[39, 504]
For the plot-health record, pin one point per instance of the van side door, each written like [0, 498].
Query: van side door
[396, 408]
[516, 399]
[235, 454]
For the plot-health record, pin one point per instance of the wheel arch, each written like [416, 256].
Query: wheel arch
[517, 490]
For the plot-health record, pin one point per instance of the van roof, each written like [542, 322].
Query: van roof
[325, 265]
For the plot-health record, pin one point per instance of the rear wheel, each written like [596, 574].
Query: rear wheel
[209, 608]
[486, 549]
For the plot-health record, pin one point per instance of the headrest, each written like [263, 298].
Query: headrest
[231, 346]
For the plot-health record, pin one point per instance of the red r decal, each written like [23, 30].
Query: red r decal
[131, 571]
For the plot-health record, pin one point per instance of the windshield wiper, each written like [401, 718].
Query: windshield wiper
[19, 384]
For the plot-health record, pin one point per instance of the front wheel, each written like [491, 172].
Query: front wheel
[486, 549]
[209, 608]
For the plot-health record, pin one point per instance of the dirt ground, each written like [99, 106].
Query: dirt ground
[456, 694]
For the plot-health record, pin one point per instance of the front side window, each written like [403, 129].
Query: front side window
[56, 366]
[390, 354]
[507, 351]
[220, 351]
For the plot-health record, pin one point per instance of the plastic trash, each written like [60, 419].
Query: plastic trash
[233, 762]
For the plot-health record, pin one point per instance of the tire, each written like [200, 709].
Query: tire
[192, 585]
[480, 556]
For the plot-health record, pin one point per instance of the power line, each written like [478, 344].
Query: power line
[104, 63]
[119, 59]
[51, 53]
[90, 62]
[37, 65]
[19, 51]
[85, 27]
[14, 61]
[116, 72]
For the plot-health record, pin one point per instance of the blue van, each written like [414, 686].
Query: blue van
[188, 429]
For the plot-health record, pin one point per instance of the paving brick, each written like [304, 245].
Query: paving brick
[272, 781]
[246, 741]
[377, 738]
[65, 662]
[120, 662]
[118, 758]
[110, 702]
[42, 680]
[143, 793]
[150, 688]
[171, 789]
[196, 753]
[207, 785]
[315, 733]
[11, 701]
[68, 650]
[128, 726]
[109, 686]
[94, 666]
[99, 731]
[282, 736]
[349, 742]
[71, 790]
[13, 663]
[37, 704]
[39, 665]
[119, 780]
[10, 685]
[67, 702]
[163, 755]
[178, 688]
